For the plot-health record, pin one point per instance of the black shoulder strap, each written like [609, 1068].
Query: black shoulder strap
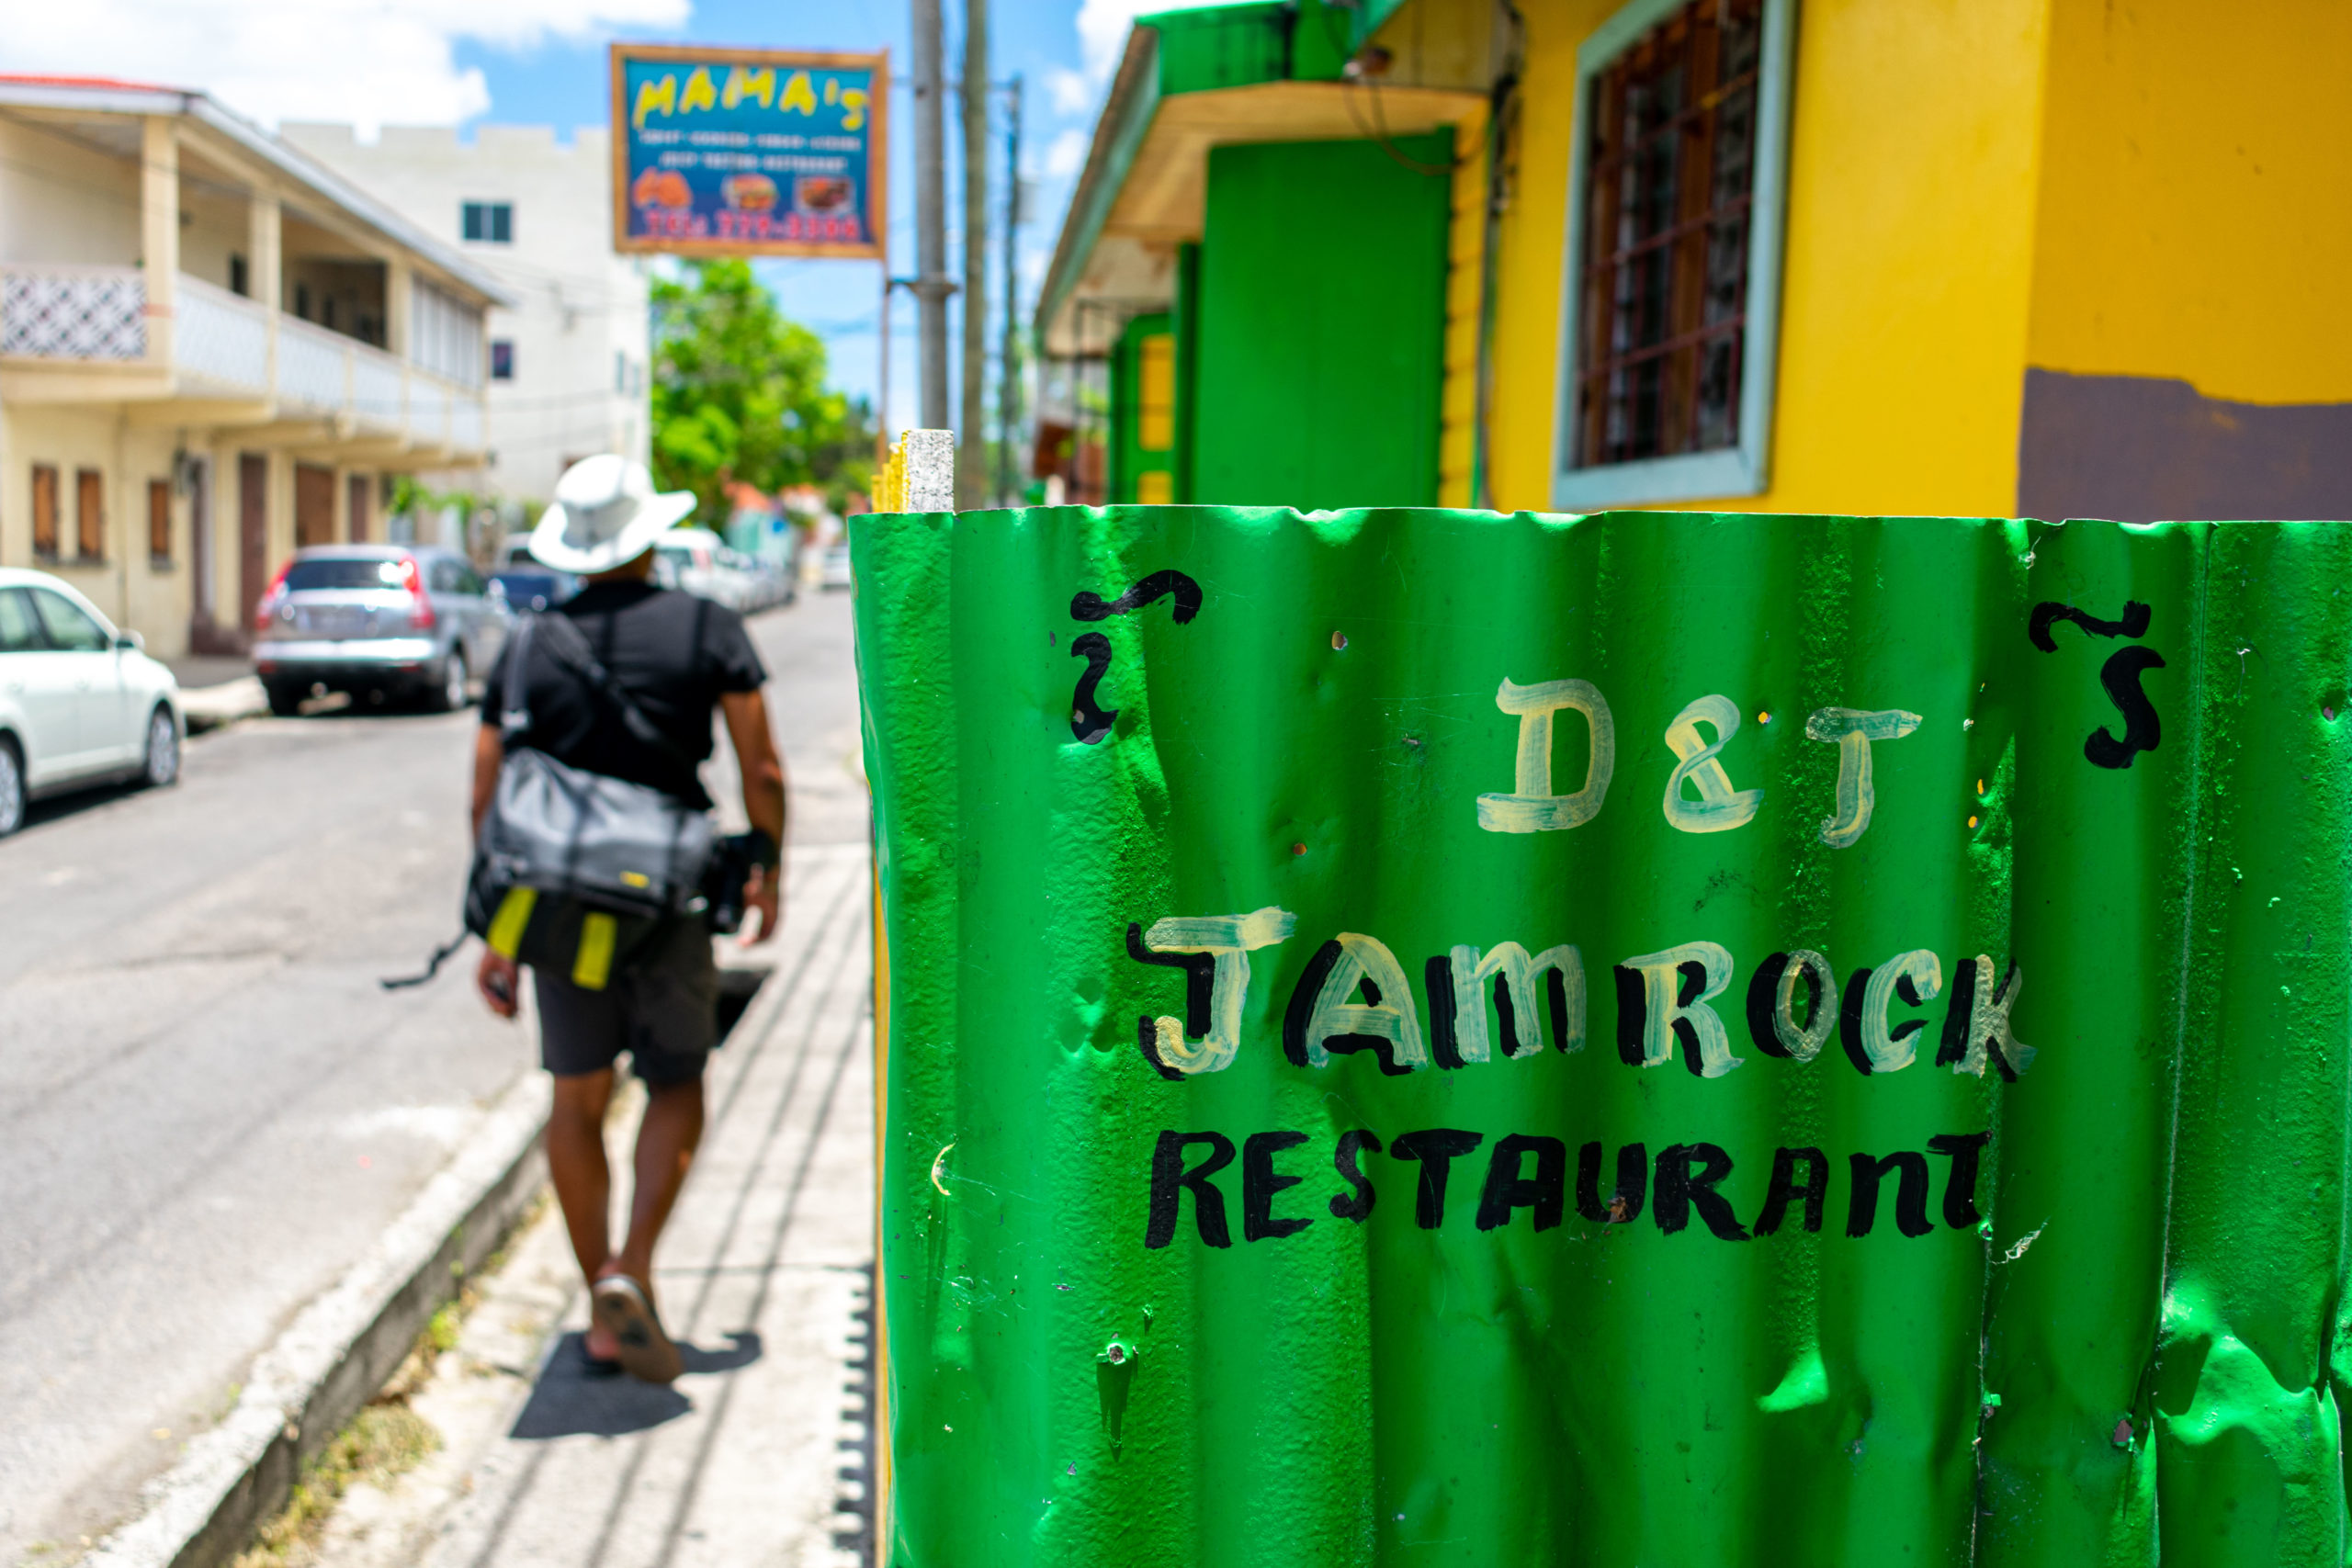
[513, 698]
[569, 646]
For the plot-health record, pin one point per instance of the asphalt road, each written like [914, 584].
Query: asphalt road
[208, 1106]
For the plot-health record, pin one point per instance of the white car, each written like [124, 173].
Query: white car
[699, 561]
[81, 704]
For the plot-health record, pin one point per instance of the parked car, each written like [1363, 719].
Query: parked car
[377, 621]
[81, 704]
[699, 562]
[531, 586]
[836, 573]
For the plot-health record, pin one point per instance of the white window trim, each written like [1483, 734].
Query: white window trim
[1740, 471]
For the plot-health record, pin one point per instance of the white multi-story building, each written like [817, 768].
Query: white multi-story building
[213, 350]
[567, 358]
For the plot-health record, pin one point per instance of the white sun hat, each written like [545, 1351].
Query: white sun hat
[606, 514]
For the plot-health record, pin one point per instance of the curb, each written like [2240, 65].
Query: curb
[210, 707]
[342, 1347]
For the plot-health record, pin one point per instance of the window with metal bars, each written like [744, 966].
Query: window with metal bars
[1683, 111]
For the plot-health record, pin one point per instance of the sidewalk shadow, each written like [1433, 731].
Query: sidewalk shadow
[570, 1400]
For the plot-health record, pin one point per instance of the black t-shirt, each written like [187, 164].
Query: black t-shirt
[674, 654]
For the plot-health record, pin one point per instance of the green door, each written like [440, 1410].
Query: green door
[1322, 323]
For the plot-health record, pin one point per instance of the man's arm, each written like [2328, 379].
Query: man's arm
[496, 975]
[763, 798]
[490, 755]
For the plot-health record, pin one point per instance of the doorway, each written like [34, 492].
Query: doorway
[252, 536]
[313, 505]
[356, 503]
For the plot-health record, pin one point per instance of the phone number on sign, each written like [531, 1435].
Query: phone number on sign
[850, 229]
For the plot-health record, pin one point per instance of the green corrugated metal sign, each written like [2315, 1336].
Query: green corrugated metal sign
[1422, 1037]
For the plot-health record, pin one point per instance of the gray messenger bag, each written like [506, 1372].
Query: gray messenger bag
[574, 872]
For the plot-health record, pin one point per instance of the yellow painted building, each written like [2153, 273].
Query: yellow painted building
[2047, 257]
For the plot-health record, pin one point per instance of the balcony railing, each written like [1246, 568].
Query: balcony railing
[222, 349]
[221, 338]
[73, 312]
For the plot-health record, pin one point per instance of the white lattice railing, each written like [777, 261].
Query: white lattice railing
[73, 312]
[376, 388]
[428, 408]
[313, 364]
[221, 343]
[465, 421]
[220, 337]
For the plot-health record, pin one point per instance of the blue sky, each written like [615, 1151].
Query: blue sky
[561, 82]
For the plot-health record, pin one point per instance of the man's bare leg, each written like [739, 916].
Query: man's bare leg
[584, 1180]
[666, 1140]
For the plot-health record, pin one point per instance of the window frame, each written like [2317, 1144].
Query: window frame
[497, 222]
[1742, 469]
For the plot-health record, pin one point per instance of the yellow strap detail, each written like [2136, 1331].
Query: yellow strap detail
[593, 966]
[514, 914]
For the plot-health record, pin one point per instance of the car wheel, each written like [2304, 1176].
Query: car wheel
[452, 694]
[284, 701]
[162, 767]
[12, 787]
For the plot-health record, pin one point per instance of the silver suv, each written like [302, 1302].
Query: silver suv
[377, 621]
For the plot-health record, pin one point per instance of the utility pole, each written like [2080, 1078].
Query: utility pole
[972, 448]
[1008, 386]
[931, 285]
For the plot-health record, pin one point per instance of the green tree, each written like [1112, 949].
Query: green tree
[739, 394]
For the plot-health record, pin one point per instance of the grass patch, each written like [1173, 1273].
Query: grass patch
[387, 1439]
[383, 1442]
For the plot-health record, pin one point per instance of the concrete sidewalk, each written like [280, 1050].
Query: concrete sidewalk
[762, 1451]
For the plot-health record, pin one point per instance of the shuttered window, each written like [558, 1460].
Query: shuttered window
[45, 511]
[159, 520]
[90, 513]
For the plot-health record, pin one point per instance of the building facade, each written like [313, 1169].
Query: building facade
[212, 350]
[567, 358]
[2037, 257]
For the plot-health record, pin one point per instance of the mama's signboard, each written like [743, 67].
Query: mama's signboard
[1430, 1037]
[728, 152]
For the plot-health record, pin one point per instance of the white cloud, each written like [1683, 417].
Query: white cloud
[1067, 155]
[1103, 33]
[1068, 91]
[365, 62]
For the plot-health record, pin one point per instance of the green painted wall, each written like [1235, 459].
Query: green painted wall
[2114, 762]
[1322, 320]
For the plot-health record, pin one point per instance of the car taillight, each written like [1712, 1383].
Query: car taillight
[266, 610]
[419, 610]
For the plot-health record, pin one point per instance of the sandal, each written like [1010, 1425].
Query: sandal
[625, 1308]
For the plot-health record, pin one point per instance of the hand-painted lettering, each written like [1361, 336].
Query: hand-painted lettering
[1662, 1001]
[1719, 807]
[1533, 808]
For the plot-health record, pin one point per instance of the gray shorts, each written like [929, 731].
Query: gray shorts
[662, 1009]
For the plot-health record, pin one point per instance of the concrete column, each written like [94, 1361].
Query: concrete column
[397, 298]
[159, 229]
[266, 265]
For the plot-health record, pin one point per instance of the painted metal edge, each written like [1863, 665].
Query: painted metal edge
[1119, 131]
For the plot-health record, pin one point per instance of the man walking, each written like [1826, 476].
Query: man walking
[676, 656]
